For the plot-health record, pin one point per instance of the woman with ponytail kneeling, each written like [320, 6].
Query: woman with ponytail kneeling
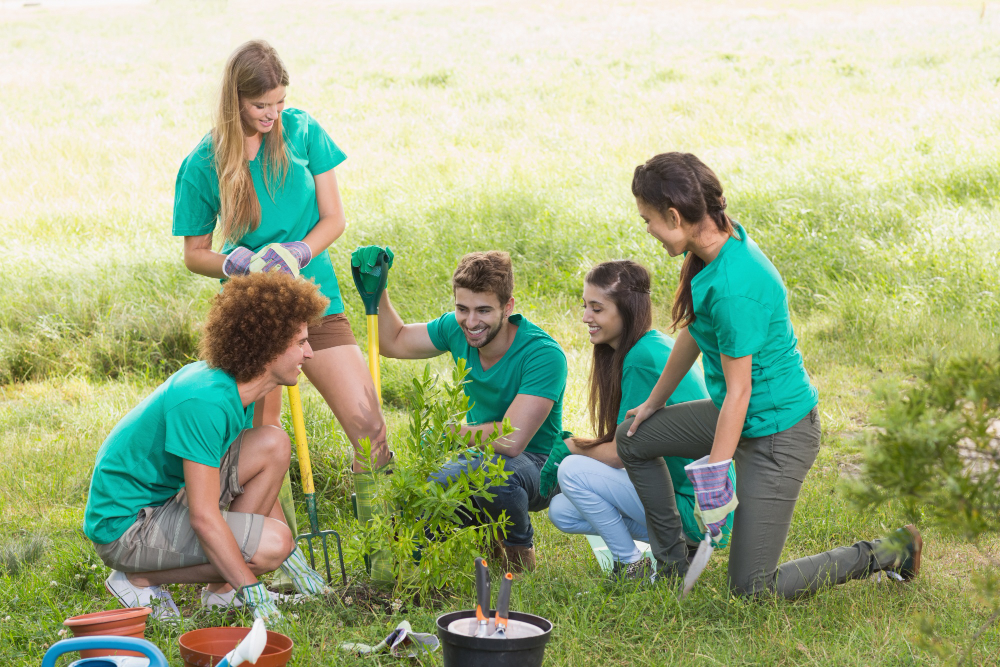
[732, 308]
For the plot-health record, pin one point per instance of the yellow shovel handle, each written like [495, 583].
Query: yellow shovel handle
[373, 355]
[301, 446]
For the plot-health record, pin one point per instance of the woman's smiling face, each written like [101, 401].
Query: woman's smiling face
[668, 230]
[601, 316]
[260, 113]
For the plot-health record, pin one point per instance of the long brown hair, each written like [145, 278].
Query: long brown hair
[253, 70]
[626, 283]
[681, 181]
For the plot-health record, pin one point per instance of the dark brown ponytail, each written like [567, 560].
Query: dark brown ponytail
[627, 285]
[681, 181]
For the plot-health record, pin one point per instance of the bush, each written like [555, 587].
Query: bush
[432, 550]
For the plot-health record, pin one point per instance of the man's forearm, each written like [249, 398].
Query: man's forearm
[222, 551]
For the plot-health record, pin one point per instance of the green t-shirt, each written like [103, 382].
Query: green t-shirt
[740, 309]
[195, 415]
[534, 365]
[640, 372]
[288, 216]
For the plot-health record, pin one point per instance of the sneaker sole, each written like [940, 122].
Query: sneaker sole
[118, 597]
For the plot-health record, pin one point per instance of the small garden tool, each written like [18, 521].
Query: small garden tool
[503, 607]
[482, 597]
[305, 468]
[249, 649]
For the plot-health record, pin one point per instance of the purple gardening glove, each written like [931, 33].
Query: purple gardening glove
[237, 262]
[714, 495]
[301, 250]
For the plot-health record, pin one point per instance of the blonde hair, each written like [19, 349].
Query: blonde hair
[253, 70]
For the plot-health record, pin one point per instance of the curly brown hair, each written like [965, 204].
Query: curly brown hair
[486, 273]
[255, 318]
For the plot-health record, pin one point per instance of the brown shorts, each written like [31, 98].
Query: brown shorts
[332, 331]
[162, 538]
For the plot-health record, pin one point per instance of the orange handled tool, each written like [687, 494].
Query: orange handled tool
[482, 597]
[503, 606]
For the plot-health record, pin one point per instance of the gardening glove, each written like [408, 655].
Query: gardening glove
[259, 600]
[548, 478]
[366, 259]
[237, 262]
[303, 253]
[276, 257]
[307, 580]
[714, 495]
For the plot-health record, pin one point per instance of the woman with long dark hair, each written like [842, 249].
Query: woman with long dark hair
[731, 307]
[597, 497]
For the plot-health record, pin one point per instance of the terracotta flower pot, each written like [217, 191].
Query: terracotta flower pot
[206, 647]
[118, 622]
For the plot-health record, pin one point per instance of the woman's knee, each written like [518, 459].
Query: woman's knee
[626, 444]
[559, 511]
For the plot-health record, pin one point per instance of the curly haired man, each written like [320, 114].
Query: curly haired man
[184, 489]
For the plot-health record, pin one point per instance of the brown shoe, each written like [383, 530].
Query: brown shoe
[517, 559]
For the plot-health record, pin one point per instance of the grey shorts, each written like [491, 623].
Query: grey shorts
[162, 538]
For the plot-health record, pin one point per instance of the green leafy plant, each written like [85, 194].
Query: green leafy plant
[937, 452]
[422, 525]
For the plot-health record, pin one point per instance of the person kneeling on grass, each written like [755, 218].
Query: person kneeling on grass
[516, 371]
[184, 490]
[732, 308]
[597, 497]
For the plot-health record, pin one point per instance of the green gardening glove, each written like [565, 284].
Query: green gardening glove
[259, 600]
[548, 475]
[365, 259]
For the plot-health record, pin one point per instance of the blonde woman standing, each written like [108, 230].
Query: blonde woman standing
[265, 175]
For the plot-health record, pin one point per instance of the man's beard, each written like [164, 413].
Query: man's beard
[490, 335]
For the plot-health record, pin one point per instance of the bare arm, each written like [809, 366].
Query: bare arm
[526, 414]
[201, 259]
[606, 453]
[332, 222]
[398, 340]
[734, 408]
[682, 357]
[202, 483]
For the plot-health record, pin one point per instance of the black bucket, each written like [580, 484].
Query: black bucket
[464, 651]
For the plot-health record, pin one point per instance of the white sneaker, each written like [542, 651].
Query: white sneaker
[210, 600]
[130, 595]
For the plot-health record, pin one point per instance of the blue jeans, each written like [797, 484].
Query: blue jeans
[518, 496]
[597, 499]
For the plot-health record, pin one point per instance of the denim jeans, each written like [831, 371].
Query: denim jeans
[518, 496]
[597, 499]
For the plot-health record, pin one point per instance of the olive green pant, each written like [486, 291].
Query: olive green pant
[769, 473]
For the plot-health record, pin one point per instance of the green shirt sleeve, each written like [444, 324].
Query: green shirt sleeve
[196, 431]
[544, 373]
[323, 154]
[439, 330]
[196, 195]
[740, 325]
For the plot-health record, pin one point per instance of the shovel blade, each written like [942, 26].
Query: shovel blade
[698, 564]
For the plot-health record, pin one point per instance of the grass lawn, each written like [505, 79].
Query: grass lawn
[859, 144]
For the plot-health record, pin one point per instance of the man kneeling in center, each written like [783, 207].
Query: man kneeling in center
[516, 371]
[184, 489]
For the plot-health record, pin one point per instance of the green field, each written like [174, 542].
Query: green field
[858, 144]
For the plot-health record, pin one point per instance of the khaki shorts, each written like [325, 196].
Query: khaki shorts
[332, 331]
[162, 538]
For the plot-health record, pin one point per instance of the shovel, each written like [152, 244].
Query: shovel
[305, 469]
[248, 650]
[503, 607]
[371, 298]
[698, 564]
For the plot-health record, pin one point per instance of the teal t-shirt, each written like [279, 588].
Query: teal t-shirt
[195, 415]
[289, 216]
[534, 365]
[740, 309]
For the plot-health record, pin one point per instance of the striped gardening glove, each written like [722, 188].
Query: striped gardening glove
[307, 580]
[714, 495]
[260, 601]
[237, 262]
[286, 257]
